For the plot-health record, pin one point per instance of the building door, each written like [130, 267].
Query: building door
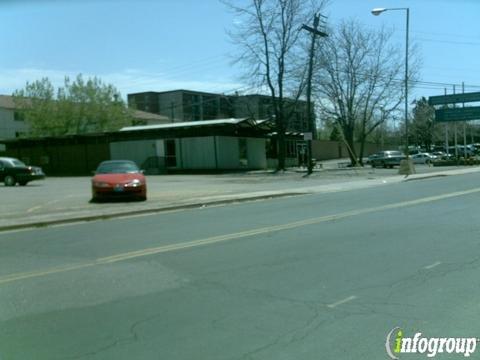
[243, 152]
[302, 153]
[170, 153]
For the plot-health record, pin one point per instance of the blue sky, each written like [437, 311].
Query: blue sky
[141, 45]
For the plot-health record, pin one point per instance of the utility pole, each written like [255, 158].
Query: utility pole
[446, 131]
[455, 131]
[464, 127]
[311, 125]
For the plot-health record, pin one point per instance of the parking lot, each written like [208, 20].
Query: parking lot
[63, 197]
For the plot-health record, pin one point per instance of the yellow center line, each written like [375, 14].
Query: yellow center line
[227, 237]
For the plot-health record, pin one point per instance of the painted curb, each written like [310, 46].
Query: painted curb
[45, 223]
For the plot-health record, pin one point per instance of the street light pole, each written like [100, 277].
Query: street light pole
[406, 86]
[407, 167]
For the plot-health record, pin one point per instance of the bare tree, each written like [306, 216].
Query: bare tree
[272, 49]
[359, 81]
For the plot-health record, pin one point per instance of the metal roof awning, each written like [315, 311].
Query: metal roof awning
[241, 127]
[201, 123]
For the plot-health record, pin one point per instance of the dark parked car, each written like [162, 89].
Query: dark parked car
[118, 178]
[386, 159]
[13, 171]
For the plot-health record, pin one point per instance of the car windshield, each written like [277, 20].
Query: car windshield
[16, 162]
[117, 168]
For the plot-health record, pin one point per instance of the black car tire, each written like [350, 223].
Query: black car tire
[9, 180]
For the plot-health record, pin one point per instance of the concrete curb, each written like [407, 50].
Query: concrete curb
[440, 173]
[97, 217]
[425, 177]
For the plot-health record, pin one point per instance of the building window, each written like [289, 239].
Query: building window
[18, 116]
[192, 107]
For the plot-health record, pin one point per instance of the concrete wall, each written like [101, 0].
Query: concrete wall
[196, 153]
[147, 154]
[220, 152]
[257, 158]
[228, 154]
[200, 153]
[326, 150]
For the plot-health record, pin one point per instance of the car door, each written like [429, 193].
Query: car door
[2, 170]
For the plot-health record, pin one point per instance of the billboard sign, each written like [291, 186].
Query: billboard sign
[457, 114]
[454, 98]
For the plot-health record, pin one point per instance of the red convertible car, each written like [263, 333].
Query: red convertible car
[118, 178]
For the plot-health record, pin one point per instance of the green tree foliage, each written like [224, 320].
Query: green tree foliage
[80, 106]
[423, 132]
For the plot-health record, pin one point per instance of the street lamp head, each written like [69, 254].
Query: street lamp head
[378, 11]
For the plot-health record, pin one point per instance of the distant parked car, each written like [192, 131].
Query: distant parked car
[118, 178]
[441, 155]
[461, 151]
[386, 159]
[423, 158]
[13, 171]
[372, 157]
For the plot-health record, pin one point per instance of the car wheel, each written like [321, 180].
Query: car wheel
[9, 180]
[22, 183]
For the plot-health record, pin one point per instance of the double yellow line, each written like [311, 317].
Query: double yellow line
[227, 237]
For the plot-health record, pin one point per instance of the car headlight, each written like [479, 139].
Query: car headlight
[134, 183]
[100, 184]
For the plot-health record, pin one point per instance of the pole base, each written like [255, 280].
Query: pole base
[406, 167]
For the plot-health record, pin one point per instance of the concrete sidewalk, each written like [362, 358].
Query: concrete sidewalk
[63, 200]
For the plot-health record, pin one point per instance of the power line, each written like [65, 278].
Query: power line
[469, 43]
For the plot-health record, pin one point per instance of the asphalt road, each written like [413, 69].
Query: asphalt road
[323, 276]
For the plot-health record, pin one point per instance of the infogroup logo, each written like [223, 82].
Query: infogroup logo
[397, 343]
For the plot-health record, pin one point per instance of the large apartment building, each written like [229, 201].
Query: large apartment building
[188, 105]
[183, 105]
